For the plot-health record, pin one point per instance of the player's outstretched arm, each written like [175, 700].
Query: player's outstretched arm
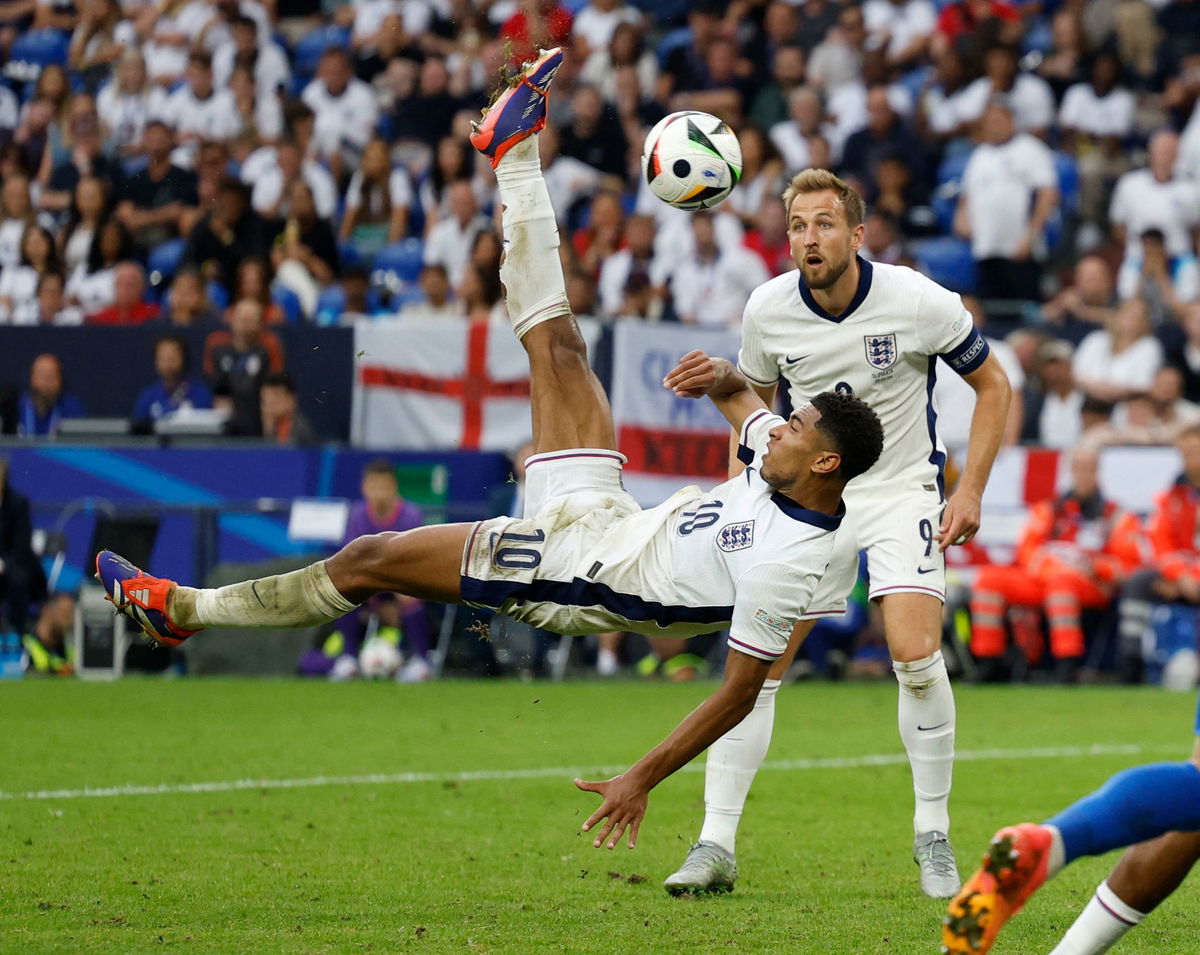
[625, 795]
[698, 375]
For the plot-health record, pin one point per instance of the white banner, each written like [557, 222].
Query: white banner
[437, 384]
[669, 441]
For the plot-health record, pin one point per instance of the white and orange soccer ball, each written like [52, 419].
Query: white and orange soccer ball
[691, 160]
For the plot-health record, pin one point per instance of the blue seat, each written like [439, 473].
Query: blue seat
[163, 261]
[952, 167]
[289, 302]
[948, 262]
[330, 305]
[399, 262]
[308, 50]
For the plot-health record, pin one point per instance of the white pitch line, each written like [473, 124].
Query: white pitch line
[546, 772]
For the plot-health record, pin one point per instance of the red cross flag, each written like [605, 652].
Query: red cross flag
[439, 384]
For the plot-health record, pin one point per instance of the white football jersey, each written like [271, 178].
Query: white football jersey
[884, 349]
[739, 554]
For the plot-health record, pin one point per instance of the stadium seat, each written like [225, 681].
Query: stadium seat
[289, 302]
[163, 261]
[309, 48]
[398, 263]
[34, 50]
[952, 167]
[948, 262]
[330, 304]
[676, 39]
[218, 295]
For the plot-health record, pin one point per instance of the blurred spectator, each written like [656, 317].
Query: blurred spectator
[626, 50]
[595, 24]
[85, 159]
[602, 235]
[283, 422]
[966, 24]
[269, 197]
[166, 51]
[186, 304]
[51, 306]
[1188, 164]
[17, 208]
[18, 284]
[895, 192]
[943, 101]
[1121, 359]
[378, 201]
[537, 24]
[1185, 354]
[88, 210]
[99, 40]
[568, 180]
[253, 281]
[885, 136]
[22, 580]
[153, 202]
[726, 88]
[630, 283]
[838, 58]
[770, 103]
[427, 114]
[1009, 191]
[33, 132]
[1053, 408]
[684, 67]
[43, 406]
[228, 234]
[197, 110]
[1095, 120]
[453, 161]
[437, 300]
[780, 31]
[816, 18]
[91, 285]
[238, 359]
[48, 645]
[881, 239]
[259, 111]
[267, 62]
[1179, 36]
[711, 286]
[126, 103]
[480, 294]
[1087, 302]
[1165, 283]
[1155, 198]
[1064, 64]
[1026, 94]
[305, 255]
[1074, 552]
[130, 305]
[582, 294]
[449, 242]
[1166, 413]
[175, 388]
[595, 136]
[902, 28]
[806, 119]
[344, 108]
[762, 175]
[768, 237]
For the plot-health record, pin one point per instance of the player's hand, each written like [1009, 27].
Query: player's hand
[693, 377]
[624, 806]
[960, 521]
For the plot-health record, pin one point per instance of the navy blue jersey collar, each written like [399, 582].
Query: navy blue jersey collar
[827, 522]
[865, 270]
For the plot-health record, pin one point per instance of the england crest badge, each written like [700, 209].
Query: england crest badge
[736, 536]
[881, 350]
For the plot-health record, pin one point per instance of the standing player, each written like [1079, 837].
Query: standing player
[1158, 801]
[876, 331]
[586, 558]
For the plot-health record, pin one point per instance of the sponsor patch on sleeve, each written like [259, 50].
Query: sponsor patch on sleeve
[775, 623]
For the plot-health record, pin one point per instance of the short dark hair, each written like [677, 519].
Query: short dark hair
[379, 466]
[853, 428]
[280, 379]
[179, 342]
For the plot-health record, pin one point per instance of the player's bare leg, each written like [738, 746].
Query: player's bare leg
[912, 623]
[729, 771]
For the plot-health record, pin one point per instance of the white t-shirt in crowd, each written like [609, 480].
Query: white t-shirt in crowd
[215, 118]
[124, 115]
[901, 23]
[713, 294]
[955, 399]
[596, 27]
[348, 118]
[1141, 202]
[999, 184]
[1060, 421]
[1031, 100]
[271, 69]
[1108, 115]
[1135, 367]
[268, 186]
[449, 244]
[399, 191]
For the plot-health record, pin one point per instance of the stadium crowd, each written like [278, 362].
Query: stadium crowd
[233, 165]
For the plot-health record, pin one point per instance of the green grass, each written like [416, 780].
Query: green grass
[496, 865]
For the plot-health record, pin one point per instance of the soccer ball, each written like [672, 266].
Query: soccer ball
[379, 659]
[692, 160]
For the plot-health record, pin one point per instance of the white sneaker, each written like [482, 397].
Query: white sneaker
[416, 670]
[345, 668]
[607, 663]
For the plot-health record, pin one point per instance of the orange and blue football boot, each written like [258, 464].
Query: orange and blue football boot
[1014, 867]
[519, 111]
[140, 597]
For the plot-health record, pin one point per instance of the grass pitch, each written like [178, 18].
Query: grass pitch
[261, 816]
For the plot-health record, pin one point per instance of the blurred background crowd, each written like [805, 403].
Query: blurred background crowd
[222, 170]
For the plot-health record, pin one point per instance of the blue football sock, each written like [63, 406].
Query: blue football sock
[1135, 805]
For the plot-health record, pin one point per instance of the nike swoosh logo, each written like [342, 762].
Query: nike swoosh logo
[792, 361]
[254, 590]
[927, 570]
[928, 729]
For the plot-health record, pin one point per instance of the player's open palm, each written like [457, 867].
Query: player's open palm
[693, 377]
[624, 806]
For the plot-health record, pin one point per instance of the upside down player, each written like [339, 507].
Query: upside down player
[586, 558]
[877, 331]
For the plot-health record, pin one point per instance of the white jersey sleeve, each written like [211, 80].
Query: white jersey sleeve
[754, 361]
[752, 440]
[771, 598]
[946, 329]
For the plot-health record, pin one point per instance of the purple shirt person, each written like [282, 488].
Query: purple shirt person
[381, 509]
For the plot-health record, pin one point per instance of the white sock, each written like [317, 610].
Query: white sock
[530, 270]
[732, 762]
[1100, 925]
[926, 717]
[301, 598]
